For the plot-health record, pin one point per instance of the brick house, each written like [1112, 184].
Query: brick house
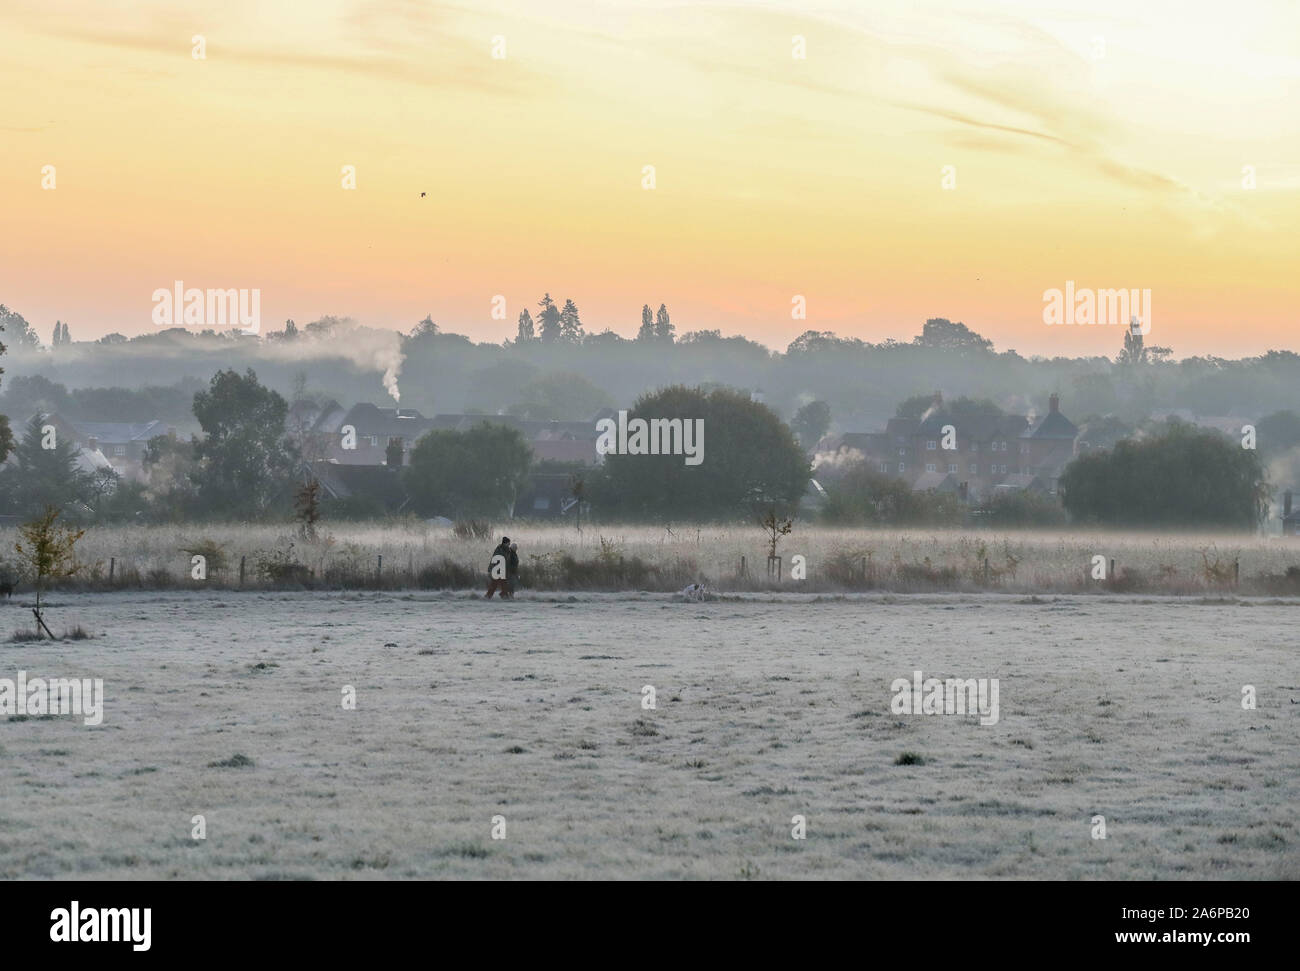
[988, 450]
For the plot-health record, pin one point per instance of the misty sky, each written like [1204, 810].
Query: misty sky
[775, 176]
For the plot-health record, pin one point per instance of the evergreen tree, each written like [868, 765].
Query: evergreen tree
[41, 476]
[548, 319]
[570, 325]
[526, 330]
[425, 328]
[663, 326]
[647, 331]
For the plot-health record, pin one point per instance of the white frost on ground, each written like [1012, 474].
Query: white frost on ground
[767, 708]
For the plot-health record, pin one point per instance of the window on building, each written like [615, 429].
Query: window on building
[374, 441]
[974, 468]
[974, 447]
[884, 467]
[902, 467]
[119, 449]
[929, 467]
[902, 451]
[952, 466]
[930, 446]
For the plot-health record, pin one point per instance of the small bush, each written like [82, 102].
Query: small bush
[213, 552]
[280, 566]
[845, 568]
[926, 574]
[447, 574]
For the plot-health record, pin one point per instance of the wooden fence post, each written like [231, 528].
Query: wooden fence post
[241, 570]
[112, 568]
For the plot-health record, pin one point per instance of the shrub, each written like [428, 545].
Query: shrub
[447, 574]
[280, 565]
[213, 552]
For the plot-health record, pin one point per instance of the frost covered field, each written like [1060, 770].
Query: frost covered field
[766, 709]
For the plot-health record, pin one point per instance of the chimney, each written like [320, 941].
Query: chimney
[1054, 403]
[1286, 503]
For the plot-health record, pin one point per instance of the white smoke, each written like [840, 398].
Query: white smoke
[839, 459]
[368, 348]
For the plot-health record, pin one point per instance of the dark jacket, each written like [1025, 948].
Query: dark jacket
[502, 550]
[512, 564]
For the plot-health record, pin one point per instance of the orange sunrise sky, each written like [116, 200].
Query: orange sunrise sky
[1109, 143]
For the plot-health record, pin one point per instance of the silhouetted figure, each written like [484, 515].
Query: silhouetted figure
[497, 569]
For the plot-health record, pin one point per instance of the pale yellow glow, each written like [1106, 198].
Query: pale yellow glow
[775, 176]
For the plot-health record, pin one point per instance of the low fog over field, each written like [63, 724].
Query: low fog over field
[229, 705]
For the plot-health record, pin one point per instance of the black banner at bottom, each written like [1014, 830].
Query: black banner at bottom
[333, 920]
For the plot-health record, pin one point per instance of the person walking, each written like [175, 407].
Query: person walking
[512, 570]
[497, 570]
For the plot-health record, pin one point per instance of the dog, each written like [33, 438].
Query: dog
[694, 592]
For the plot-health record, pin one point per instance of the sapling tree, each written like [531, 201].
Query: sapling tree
[776, 525]
[307, 509]
[47, 554]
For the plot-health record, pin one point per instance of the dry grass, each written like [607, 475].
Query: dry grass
[418, 555]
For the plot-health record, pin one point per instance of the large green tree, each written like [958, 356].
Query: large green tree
[246, 463]
[748, 457]
[861, 496]
[19, 332]
[477, 472]
[1184, 476]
